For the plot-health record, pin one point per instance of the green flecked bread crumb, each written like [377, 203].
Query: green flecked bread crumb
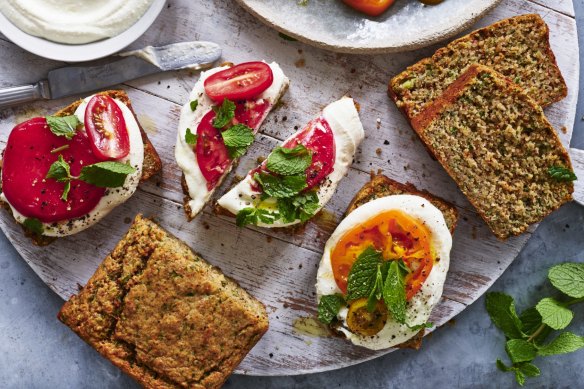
[517, 47]
[163, 315]
[495, 142]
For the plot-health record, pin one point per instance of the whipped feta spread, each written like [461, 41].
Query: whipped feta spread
[74, 21]
[184, 153]
[113, 196]
[343, 118]
[420, 306]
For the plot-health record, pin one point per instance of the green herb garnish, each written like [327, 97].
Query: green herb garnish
[237, 139]
[527, 333]
[108, 174]
[329, 306]
[194, 105]
[289, 161]
[561, 173]
[252, 215]
[224, 114]
[190, 138]
[281, 187]
[34, 225]
[63, 125]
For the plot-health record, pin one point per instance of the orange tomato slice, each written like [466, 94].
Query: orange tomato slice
[397, 236]
[370, 7]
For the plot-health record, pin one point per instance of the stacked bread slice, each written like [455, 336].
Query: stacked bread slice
[476, 105]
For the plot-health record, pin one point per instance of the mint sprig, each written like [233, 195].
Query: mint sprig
[194, 105]
[224, 114]
[253, 216]
[329, 306]
[237, 139]
[109, 174]
[280, 187]
[190, 138]
[527, 333]
[289, 161]
[34, 225]
[63, 125]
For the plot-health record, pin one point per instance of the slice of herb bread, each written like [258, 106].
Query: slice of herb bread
[495, 142]
[382, 186]
[517, 47]
[163, 315]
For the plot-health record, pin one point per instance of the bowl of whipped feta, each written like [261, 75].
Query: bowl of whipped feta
[76, 30]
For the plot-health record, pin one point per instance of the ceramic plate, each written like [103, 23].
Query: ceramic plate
[331, 25]
[84, 52]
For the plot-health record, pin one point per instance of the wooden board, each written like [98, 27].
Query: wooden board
[277, 267]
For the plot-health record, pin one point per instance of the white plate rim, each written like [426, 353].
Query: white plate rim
[84, 52]
[453, 27]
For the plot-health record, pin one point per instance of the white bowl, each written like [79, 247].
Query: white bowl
[84, 52]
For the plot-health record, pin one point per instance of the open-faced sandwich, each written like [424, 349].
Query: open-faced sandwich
[384, 267]
[225, 110]
[63, 173]
[299, 177]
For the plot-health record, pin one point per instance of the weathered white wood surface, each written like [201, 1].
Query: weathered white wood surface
[280, 268]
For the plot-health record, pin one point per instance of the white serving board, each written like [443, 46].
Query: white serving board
[280, 268]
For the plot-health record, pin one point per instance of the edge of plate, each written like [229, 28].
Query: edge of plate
[459, 25]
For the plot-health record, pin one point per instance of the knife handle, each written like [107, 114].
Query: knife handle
[24, 94]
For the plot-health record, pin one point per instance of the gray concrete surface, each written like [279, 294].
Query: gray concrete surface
[36, 351]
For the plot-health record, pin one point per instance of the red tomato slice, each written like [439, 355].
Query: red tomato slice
[240, 82]
[27, 159]
[106, 127]
[369, 7]
[317, 137]
[212, 155]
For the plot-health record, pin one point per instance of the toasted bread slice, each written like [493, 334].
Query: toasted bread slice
[150, 167]
[496, 143]
[517, 47]
[382, 186]
[163, 315]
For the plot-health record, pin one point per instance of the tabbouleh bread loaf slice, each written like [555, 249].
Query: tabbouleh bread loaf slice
[382, 186]
[498, 146]
[163, 315]
[517, 47]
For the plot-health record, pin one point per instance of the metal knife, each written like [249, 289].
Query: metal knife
[134, 64]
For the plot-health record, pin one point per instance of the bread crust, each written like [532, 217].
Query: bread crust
[451, 95]
[481, 35]
[382, 186]
[151, 165]
[163, 315]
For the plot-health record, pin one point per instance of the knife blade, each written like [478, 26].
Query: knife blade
[72, 80]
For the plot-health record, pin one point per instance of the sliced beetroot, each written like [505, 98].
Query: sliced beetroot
[27, 159]
[212, 155]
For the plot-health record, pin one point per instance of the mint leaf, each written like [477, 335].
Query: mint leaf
[530, 322]
[377, 290]
[237, 139]
[194, 105]
[520, 350]
[289, 161]
[394, 292]
[418, 327]
[501, 309]
[520, 377]
[554, 314]
[568, 278]
[253, 216]
[529, 369]
[561, 173]
[108, 174]
[59, 170]
[329, 306]
[363, 274]
[565, 343]
[66, 190]
[190, 138]
[34, 225]
[501, 366]
[300, 207]
[224, 114]
[280, 187]
[63, 125]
